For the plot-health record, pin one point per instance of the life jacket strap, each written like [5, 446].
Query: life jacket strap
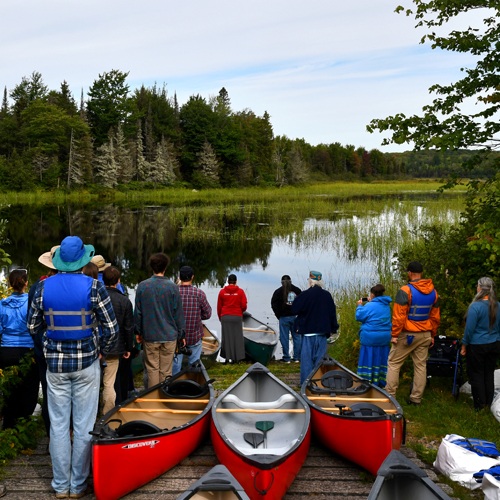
[82, 313]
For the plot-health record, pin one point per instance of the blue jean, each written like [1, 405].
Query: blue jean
[286, 327]
[76, 392]
[313, 349]
[195, 355]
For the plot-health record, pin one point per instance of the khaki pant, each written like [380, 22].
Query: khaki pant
[108, 380]
[419, 350]
[159, 360]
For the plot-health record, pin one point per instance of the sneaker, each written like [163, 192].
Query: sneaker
[283, 361]
[412, 403]
[64, 494]
[88, 491]
[296, 360]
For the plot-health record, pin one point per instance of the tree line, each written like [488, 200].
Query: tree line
[118, 136]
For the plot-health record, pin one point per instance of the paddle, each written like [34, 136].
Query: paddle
[254, 438]
[264, 426]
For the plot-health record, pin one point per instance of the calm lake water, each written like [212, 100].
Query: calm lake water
[349, 241]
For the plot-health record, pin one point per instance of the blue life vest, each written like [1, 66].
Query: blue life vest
[67, 306]
[479, 447]
[494, 471]
[421, 304]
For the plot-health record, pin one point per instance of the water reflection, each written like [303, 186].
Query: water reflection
[350, 241]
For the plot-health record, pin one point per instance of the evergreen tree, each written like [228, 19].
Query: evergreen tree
[245, 169]
[142, 166]
[63, 99]
[28, 90]
[122, 156]
[149, 146]
[207, 167]
[40, 165]
[75, 170]
[108, 104]
[296, 167]
[4, 110]
[19, 173]
[105, 165]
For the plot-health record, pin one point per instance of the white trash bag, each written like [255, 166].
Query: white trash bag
[495, 407]
[459, 464]
[491, 487]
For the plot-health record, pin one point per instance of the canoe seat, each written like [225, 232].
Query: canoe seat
[247, 450]
[337, 382]
[261, 405]
[137, 428]
[185, 388]
[364, 410]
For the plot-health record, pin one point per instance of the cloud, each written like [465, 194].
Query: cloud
[321, 69]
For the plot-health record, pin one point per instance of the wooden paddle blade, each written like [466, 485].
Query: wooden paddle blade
[254, 438]
[264, 425]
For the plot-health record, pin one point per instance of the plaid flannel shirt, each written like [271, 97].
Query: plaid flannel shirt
[74, 355]
[196, 308]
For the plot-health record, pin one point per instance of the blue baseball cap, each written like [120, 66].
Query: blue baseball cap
[72, 255]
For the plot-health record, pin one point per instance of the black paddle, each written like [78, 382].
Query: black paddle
[264, 426]
[254, 438]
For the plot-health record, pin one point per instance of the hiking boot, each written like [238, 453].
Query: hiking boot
[412, 403]
[88, 491]
[64, 494]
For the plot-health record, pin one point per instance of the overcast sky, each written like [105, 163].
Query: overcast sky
[322, 69]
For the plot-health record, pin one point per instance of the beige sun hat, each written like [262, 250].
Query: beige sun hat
[100, 262]
[46, 258]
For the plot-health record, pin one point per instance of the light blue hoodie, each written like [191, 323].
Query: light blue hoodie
[13, 316]
[375, 318]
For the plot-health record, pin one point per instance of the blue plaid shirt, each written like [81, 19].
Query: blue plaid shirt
[74, 355]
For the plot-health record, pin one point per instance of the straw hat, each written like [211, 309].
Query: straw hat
[46, 258]
[100, 262]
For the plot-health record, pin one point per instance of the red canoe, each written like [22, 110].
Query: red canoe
[351, 416]
[260, 432]
[147, 435]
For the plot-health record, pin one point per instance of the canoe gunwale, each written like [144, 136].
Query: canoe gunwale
[328, 361]
[98, 440]
[263, 462]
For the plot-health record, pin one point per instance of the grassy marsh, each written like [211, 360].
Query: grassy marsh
[183, 196]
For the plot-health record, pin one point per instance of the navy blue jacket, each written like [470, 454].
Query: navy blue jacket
[316, 312]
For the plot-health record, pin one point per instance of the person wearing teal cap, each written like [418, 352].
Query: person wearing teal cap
[68, 309]
[316, 321]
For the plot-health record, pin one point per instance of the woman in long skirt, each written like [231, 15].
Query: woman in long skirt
[231, 305]
[375, 335]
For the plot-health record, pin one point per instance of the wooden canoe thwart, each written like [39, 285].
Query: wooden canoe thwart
[260, 339]
[263, 452]
[354, 418]
[145, 436]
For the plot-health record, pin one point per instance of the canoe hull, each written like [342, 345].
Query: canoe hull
[258, 353]
[260, 339]
[364, 443]
[365, 440]
[276, 480]
[400, 479]
[132, 465]
[218, 484]
[255, 399]
[157, 429]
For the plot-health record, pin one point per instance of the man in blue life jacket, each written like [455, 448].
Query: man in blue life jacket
[415, 320]
[317, 320]
[69, 308]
